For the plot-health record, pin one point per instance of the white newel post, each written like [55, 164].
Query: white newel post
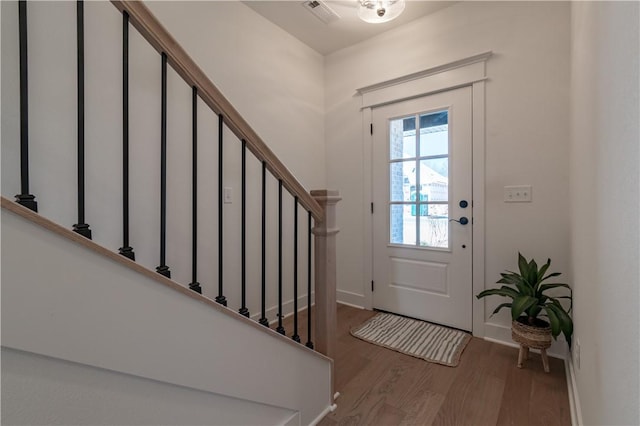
[325, 272]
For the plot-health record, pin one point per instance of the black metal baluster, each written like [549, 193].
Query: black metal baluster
[243, 309]
[194, 285]
[295, 336]
[220, 297]
[24, 198]
[263, 319]
[125, 250]
[280, 328]
[309, 343]
[163, 269]
[81, 227]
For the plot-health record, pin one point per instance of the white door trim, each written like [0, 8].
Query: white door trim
[463, 72]
[469, 71]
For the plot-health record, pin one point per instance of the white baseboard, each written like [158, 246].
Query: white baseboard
[326, 411]
[501, 334]
[572, 387]
[349, 304]
[294, 420]
[287, 309]
[350, 299]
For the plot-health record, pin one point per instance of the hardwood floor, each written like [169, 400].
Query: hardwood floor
[381, 387]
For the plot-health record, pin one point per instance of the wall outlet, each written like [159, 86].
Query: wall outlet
[576, 354]
[517, 194]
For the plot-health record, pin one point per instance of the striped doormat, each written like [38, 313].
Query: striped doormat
[417, 338]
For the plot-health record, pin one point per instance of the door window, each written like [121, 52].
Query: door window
[419, 180]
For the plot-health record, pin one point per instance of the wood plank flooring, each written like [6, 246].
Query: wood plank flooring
[381, 387]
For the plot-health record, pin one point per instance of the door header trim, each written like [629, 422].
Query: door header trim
[454, 74]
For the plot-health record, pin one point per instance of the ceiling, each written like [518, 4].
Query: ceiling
[297, 20]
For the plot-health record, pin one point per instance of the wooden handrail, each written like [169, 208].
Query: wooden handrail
[153, 31]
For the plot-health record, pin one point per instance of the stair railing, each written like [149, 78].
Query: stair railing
[319, 205]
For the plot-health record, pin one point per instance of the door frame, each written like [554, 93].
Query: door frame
[470, 71]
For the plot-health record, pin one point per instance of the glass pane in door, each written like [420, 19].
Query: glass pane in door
[434, 134]
[434, 226]
[434, 179]
[402, 138]
[402, 225]
[402, 180]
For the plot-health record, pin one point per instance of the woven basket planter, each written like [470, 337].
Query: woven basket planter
[531, 337]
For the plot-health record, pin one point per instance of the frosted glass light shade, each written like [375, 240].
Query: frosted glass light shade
[378, 11]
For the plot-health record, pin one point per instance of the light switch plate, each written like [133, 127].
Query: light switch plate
[517, 194]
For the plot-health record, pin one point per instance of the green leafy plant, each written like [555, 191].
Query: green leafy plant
[529, 298]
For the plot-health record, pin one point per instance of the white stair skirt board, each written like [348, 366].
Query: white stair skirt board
[94, 310]
[44, 390]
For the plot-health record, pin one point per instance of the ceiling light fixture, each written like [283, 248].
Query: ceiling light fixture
[378, 11]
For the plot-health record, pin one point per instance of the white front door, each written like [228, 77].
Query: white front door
[422, 187]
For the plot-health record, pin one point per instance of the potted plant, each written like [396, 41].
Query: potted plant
[530, 299]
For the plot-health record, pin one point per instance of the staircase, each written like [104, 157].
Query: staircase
[165, 242]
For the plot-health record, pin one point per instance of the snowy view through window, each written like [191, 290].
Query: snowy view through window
[419, 180]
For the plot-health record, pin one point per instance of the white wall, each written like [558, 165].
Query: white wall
[44, 390]
[605, 211]
[272, 79]
[63, 301]
[526, 129]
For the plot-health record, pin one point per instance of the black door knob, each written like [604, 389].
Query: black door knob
[463, 220]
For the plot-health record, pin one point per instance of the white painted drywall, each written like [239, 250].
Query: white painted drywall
[44, 390]
[64, 301]
[527, 101]
[605, 210]
[272, 79]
